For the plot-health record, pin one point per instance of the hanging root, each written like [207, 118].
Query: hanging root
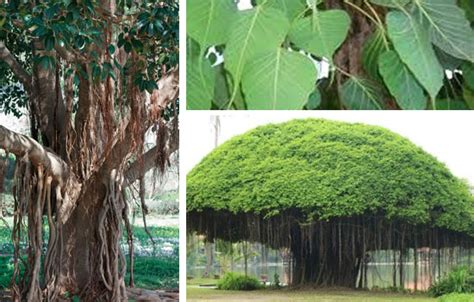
[32, 192]
[144, 208]
[338, 251]
[128, 227]
[111, 262]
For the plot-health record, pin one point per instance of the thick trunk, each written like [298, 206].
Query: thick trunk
[92, 265]
[322, 265]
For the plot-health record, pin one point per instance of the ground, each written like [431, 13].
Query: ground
[195, 293]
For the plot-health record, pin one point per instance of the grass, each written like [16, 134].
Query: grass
[202, 294]
[195, 294]
[150, 272]
[153, 273]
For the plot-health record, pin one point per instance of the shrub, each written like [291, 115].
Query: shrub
[233, 281]
[457, 298]
[460, 280]
[276, 280]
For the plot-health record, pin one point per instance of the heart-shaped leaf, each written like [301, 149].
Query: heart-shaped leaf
[401, 83]
[208, 21]
[416, 52]
[279, 79]
[322, 33]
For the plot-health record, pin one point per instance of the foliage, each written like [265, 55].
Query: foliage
[276, 281]
[160, 232]
[460, 280]
[327, 169]
[457, 298]
[269, 54]
[234, 281]
[148, 30]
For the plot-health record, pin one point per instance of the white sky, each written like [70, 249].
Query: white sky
[447, 135]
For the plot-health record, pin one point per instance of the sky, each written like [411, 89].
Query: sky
[447, 135]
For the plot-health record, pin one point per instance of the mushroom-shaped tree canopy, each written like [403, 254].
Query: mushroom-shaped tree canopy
[331, 192]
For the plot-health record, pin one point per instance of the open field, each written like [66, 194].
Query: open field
[196, 294]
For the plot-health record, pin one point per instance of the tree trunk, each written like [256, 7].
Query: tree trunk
[209, 259]
[91, 264]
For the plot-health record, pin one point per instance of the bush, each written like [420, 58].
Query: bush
[460, 280]
[457, 298]
[233, 281]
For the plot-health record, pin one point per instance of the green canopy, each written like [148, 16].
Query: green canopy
[327, 170]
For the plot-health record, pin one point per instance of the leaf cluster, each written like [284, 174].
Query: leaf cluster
[148, 30]
[270, 55]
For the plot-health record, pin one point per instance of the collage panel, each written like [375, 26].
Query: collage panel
[325, 206]
[271, 159]
[89, 150]
[330, 55]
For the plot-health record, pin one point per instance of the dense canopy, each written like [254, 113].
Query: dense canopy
[326, 170]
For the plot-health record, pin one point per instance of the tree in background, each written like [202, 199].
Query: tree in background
[95, 77]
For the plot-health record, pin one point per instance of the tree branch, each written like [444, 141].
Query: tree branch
[20, 73]
[122, 148]
[67, 185]
[22, 145]
[149, 158]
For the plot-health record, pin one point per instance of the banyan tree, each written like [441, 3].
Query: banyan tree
[331, 193]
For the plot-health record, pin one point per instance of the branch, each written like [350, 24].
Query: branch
[22, 145]
[168, 89]
[148, 160]
[67, 185]
[168, 92]
[20, 73]
[70, 56]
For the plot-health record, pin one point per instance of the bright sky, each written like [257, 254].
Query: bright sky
[447, 135]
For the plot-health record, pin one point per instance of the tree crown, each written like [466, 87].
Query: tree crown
[328, 169]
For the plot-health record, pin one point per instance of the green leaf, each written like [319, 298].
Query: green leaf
[360, 94]
[448, 27]
[447, 61]
[255, 31]
[314, 100]
[322, 33]
[279, 79]
[49, 42]
[401, 83]
[391, 3]
[414, 48]
[292, 8]
[111, 49]
[468, 96]
[468, 6]
[127, 46]
[46, 62]
[372, 49]
[199, 79]
[208, 21]
[468, 74]
[446, 104]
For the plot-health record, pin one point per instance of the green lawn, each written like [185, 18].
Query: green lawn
[196, 294]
